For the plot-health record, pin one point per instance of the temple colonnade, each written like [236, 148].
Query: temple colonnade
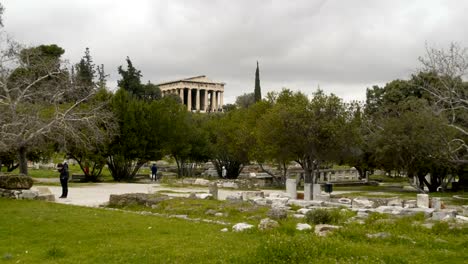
[197, 93]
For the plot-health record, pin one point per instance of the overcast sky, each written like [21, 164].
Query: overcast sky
[343, 47]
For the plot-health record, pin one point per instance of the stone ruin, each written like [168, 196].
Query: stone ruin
[20, 187]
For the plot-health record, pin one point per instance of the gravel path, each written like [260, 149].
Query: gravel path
[98, 193]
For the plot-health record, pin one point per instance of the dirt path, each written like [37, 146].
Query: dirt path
[98, 193]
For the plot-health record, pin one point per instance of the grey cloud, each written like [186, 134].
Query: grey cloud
[343, 46]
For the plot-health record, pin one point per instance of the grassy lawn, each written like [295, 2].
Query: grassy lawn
[41, 232]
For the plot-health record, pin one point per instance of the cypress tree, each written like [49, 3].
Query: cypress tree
[258, 92]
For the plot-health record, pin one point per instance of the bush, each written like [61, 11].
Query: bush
[328, 216]
[319, 216]
[15, 182]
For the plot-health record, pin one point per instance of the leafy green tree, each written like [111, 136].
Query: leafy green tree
[151, 92]
[357, 151]
[245, 100]
[258, 91]
[131, 79]
[231, 140]
[184, 137]
[413, 140]
[229, 107]
[309, 132]
[135, 143]
[85, 70]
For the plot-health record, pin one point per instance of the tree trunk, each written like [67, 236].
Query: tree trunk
[23, 161]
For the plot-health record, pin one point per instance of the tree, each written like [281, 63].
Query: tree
[413, 140]
[85, 71]
[2, 9]
[151, 92]
[245, 100]
[450, 92]
[139, 137]
[185, 137]
[308, 132]
[258, 92]
[231, 140]
[34, 85]
[131, 79]
[91, 155]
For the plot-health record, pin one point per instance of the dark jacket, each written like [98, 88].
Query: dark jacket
[154, 169]
[63, 173]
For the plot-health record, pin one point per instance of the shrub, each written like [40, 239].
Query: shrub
[15, 182]
[328, 216]
[319, 216]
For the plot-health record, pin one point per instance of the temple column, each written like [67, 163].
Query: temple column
[181, 94]
[213, 95]
[205, 105]
[197, 100]
[216, 100]
[221, 99]
[189, 99]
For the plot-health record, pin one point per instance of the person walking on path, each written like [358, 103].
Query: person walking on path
[63, 179]
[223, 172]
[154, 171]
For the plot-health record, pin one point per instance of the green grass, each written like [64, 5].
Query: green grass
[233, 212]
[41, 232]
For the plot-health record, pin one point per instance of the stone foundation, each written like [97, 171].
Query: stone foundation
[27, 194]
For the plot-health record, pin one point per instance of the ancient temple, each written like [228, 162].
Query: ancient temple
[197, 93]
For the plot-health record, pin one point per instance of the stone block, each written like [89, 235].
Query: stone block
[412, 211]
[308, 192]
[251, 194]
[267, 223]
[323, 230]
[28, 194]
[291, 188]
[436, 203]
[362, 203]
[317, 191]
[213, 190]
[322, 197]
[43, 190]
[277, 213]
[298, 216]
[344, 200]
[203, 196]
[465, 210]
[230, 184]
[389, 209]
[302, 227]
[409, 204]
[338, 205]
[422, 200]
[241, 227]
[303, 211]
[234, 197]
[259, 201]
[395, 202]
[444, 215]
[303, 203]
[203, 182]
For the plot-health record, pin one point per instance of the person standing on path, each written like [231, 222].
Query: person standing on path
[223, 172]
[154, 171]
[63, 179]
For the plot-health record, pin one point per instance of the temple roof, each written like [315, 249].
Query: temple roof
[195, 79]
